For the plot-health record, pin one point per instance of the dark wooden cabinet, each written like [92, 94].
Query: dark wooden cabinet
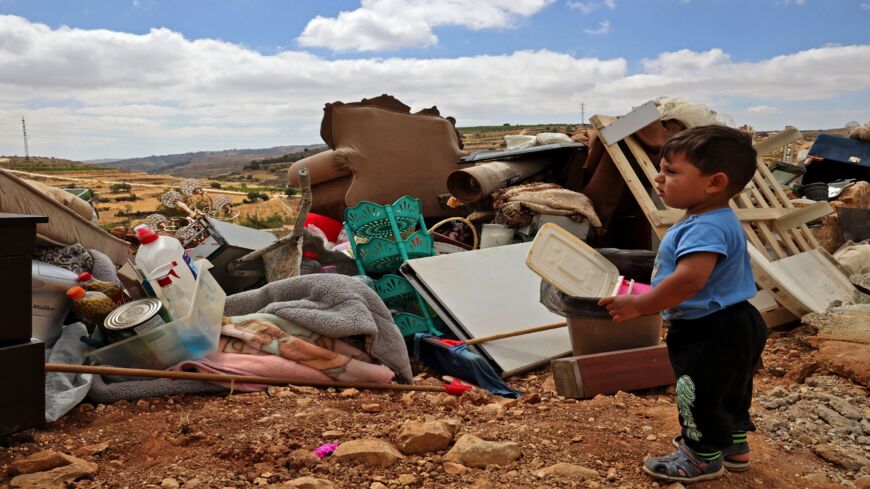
[22, 360]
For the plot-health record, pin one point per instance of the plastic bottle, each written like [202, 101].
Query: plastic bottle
[92, 306]
[176, 299]
[157, 251]
[88, 282]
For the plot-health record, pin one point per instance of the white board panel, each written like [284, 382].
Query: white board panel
[490, 291]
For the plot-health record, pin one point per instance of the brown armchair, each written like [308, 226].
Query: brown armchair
[379, 152]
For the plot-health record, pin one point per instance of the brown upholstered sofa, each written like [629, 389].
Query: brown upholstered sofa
[379, 152]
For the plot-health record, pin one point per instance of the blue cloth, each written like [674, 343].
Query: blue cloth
[731, 281]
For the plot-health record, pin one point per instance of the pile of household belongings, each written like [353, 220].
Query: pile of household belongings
[317, 326]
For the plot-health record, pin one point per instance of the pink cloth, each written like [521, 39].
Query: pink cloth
[247, 364]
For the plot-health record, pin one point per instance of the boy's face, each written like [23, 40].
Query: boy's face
[681, 185]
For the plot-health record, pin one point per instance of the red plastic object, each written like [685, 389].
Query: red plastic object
[146, 235]
[328, 225]
[456, 388]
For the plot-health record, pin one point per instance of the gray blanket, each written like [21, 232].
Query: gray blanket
[333, 305]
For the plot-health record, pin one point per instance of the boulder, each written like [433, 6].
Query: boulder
[38, 462]
[425, 437]
[368, 452]
[472, 451]
[58, 477]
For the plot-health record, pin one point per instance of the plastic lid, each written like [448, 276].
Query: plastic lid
[571, 265]
[146, 235]
[85, 277]
[75, 292]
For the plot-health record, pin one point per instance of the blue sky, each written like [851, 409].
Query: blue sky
[121, 78]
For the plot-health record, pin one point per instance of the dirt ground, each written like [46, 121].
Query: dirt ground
[263, 439]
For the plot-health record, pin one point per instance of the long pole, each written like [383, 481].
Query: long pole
[241, 379]
[26, 148]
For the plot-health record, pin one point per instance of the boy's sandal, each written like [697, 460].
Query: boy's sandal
[727, 454]
[683, 466]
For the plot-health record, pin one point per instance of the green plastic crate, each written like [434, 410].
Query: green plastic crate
[370, 220]
[410, 324]
[383, 256]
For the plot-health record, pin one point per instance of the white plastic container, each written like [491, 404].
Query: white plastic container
[157, 251]
[186, 338]
[578, 270]
[493, 235]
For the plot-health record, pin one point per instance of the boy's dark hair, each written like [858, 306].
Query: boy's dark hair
[716, 149]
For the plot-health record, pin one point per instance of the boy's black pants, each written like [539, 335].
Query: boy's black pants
[714, 358]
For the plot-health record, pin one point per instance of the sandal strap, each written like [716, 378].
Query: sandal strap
[682, 459]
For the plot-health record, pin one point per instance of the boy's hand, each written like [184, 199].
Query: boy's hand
[621, 308]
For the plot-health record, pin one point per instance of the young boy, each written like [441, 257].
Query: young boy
[702, 280]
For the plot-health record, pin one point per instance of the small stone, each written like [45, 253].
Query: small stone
[377, 485]
[651, 437]
[817, 478]
[454, 468]
[38, 462]
[91, 450]
[472, 451]
[349, 392]
[142, 405]
[611, 474]
[332, 434]
[169, 483]
[577, 439]
[306, 483]
[863, 482]
[676, 485]
[368, 452]
[407, 479]
[371, 408]
[568, 471]
[194, 483]
[424, 437]
[85, 407]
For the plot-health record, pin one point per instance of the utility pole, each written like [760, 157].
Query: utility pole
[26, 149]
[582, 114]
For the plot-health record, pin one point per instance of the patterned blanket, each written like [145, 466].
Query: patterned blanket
[268, 345]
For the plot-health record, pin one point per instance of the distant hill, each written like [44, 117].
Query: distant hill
[41, 164]
[205, 163]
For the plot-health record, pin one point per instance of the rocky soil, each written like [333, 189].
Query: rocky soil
[813, 433]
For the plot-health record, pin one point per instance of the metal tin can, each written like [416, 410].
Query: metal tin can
[134, 318]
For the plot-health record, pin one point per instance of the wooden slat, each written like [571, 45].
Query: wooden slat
[803, 215]
[586, 376]
[777, 141]
[634, 184]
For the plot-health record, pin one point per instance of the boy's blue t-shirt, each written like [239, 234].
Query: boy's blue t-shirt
[731, 281]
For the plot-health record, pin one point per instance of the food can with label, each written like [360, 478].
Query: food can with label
[134, 318]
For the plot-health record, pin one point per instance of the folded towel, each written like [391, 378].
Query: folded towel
[331, 305]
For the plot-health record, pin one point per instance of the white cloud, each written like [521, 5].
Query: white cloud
[602, 29]
[762, 109]
[590, 6]
[380, 25]
[865, 5]
[98, 93]
[795, 2]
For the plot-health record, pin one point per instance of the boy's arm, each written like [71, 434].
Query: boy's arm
[688, 278]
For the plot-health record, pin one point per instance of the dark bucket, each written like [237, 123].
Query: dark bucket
[814, 191]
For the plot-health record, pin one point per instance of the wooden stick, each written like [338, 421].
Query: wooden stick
[298, 226]
[511, 334]
[242, 379]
